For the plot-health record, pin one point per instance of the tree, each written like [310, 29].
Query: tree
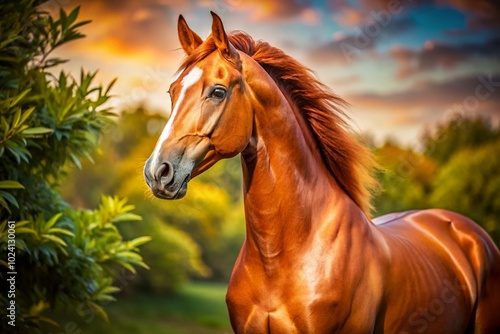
[405, 179]
[457, 133]
[48, 122]
[469, 184]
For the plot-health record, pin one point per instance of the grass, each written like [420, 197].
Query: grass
[198, 308]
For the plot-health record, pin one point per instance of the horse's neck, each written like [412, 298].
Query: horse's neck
[289, 194]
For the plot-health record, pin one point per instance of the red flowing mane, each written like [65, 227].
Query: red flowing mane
[347, 159]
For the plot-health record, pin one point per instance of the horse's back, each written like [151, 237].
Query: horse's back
[454, 246]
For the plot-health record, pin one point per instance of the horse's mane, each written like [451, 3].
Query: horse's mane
[349, 161]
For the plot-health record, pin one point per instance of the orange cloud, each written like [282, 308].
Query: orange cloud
[278, 10]
[349, 17]
[143, 30]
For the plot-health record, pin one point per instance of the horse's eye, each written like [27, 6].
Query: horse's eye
[218, 93]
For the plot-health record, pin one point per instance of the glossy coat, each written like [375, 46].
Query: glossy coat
[312, 261]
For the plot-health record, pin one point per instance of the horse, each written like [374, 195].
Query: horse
[313, 261]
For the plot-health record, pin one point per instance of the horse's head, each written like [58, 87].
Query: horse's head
[211, 115]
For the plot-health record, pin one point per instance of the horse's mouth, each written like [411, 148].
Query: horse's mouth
[181, 192]
[170, 194]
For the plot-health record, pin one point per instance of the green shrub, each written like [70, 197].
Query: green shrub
[48, 122]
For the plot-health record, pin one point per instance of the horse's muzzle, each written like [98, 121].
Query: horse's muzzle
[166, 180]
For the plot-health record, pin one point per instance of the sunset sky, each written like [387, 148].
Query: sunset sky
[402, 65]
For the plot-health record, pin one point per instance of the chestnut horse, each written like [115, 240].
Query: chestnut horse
[312, 260]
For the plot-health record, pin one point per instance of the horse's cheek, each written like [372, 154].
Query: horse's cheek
[232, 133]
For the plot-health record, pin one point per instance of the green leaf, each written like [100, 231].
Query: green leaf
[110, 289]
[5, 205]
[9, 184]
[7, 42]
[27, 113]
[61, 231]
[73, 15]
[14, 153]
[52, 221]
[126, 217]
[3, 263]
[127, 266]
[9, 197]
[62, 18]
[98, 310]
[19, 97]
[111, 84]
[21, 223]
[22, 230]
[18, 151]
[67, 108]
[105, 298]
[139, 241]
[128, 254]
[55, 239]
[75, 160]
[142, 264]
[17, 117]
[79, 24]
[48, 321]
[37, 131]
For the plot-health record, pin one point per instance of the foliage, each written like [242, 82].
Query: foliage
[405, 180]
[48, 122]
[457, 133]
[472, 173]
[173, 256]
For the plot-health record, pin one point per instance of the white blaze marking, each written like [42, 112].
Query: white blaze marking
[190, 79]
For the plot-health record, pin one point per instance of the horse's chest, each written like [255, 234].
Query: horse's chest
[292, 308]
[304, 296]
[285, 318]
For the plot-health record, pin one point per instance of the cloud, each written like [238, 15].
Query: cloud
[399, 25]
[366, 29]
[427, 100]
[343, 49]
[346, 80]
[145, 30]
[435, 55]
[480, 13]
[485, 13]
[349, 16]
[365, 13]
[272, 11]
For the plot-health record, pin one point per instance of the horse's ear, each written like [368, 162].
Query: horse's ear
[188, 38]
[220, 38]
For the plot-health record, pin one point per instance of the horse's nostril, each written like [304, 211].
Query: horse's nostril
[165, 174]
